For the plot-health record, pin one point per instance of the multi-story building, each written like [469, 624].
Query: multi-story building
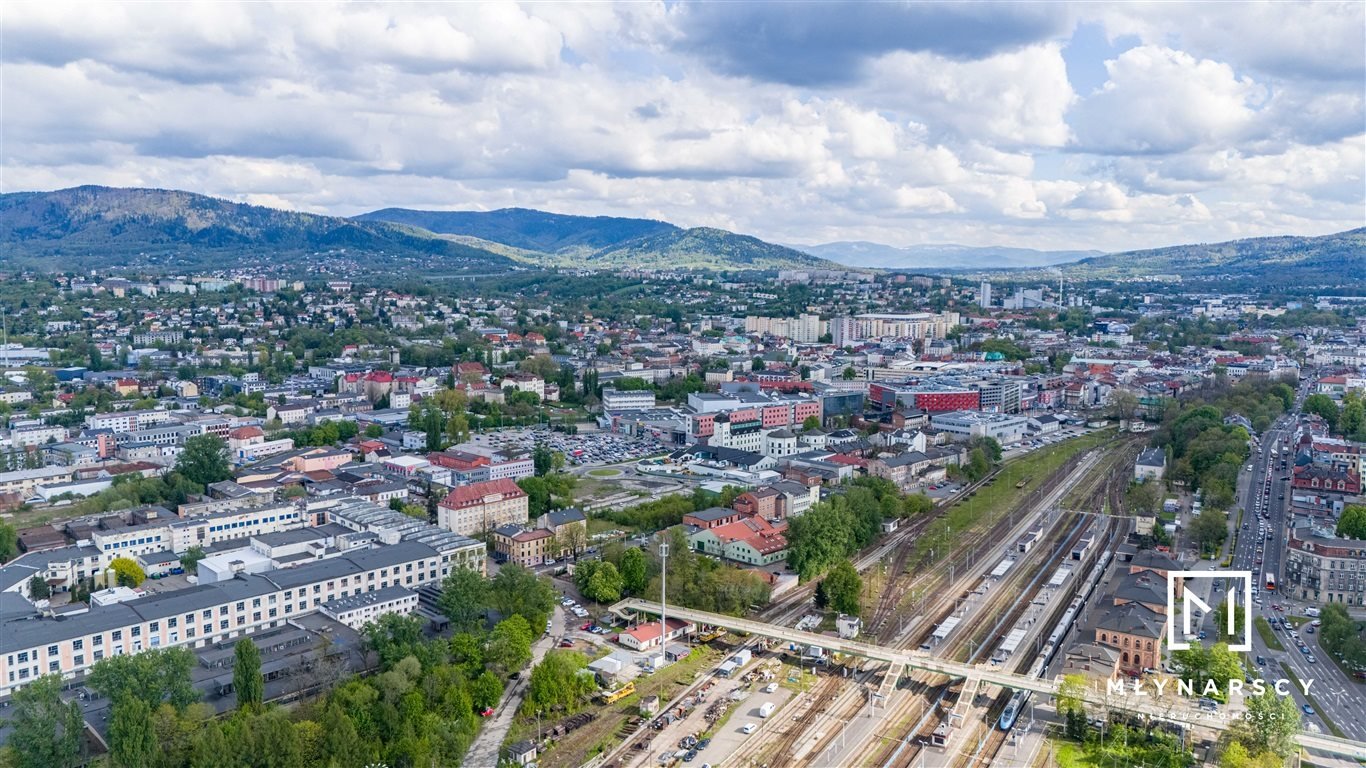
[1000, 396]
[965, 425]
[803, 329]
[355, 611]
[36, 645]
[21, 437]
[614, 400]
[127, 421]
[920, 325]
[1322, 568]
[152, 338]
[1322, 490]
[929, 395]
[748, 413]
[480, 507]
[523, 546]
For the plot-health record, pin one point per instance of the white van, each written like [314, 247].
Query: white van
[1312, 613]
[766, 709]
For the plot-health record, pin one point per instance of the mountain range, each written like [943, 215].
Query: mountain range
[167, 230]
[557, 240]
[1323, 260]
[99, 227]
[878, 256]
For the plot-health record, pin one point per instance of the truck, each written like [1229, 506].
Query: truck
[766, 709]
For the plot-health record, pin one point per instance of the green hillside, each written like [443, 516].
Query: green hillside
[99, 227]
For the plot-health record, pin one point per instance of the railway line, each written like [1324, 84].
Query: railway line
[995, 730]
[1097, 482]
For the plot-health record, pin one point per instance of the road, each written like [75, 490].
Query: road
[1266, 500]
[484, 751]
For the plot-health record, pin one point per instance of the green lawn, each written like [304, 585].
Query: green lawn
[1268, 636]
[990, 502]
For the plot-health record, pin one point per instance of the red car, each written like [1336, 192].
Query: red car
[487, 712]
[566, 643]
[586, 626]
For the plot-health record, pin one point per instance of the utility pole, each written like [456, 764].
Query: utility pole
[663, 597]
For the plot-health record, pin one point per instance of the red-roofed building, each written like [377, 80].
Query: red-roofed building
[479, 507]
[750, 540]
[646, 635]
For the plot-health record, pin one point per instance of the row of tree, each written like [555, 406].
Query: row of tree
[833, 530]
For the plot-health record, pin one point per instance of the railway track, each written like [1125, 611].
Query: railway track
[995, 739]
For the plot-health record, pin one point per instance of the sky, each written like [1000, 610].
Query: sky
[1052, 126]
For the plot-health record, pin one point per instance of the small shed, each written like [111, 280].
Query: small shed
[649, 705]
[523, 752]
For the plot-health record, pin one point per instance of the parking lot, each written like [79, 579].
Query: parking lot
[589, 449]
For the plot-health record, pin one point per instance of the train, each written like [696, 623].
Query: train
[609, 697]
[1050, 649]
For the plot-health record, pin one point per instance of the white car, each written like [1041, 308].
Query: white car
[748, 728]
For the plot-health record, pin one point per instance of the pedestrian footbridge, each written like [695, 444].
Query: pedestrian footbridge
[1159, 709]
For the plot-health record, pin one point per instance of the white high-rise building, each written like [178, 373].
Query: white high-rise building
[984, 295]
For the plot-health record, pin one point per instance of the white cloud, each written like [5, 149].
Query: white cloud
[607, 109]
[1159, 100]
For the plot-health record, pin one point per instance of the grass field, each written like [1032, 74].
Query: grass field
[993, 501]
[1268, 636]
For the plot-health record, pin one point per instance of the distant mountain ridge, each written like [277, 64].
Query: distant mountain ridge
[526, 229]
[95, 227]
[945, 256]
[560, 240]
[1324, 259]
[168, 230]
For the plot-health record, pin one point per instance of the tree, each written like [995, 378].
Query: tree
[485, 690]
[810, 423]
[1270, 725]
[842, 588]
[1221, 620]
[154, 675]
[509, 645]
[132, 742]
[38, 588]
[1209, 529]
[849, 374]
[1123, 404]
[36, 738]
[127, 573]
[1323, 405]
[190, 560]
[373, 431]
[517, 590]
[204, 460]
[9, 541]
[464, 599]
[1352, 421]
[542, 459]
[574, 538]
[605, 585]
[632, 569]
[557, 683]
[1352, 524]
[246, 674]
